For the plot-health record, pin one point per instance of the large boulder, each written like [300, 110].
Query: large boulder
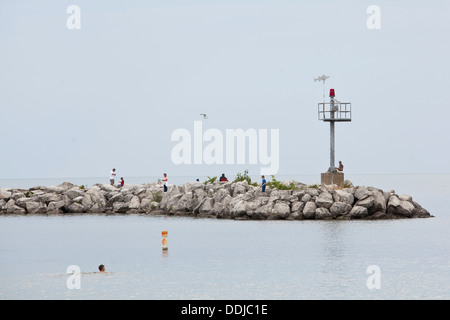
[339, 209]
[281, 210]
[264, 211]
[76, 207]
[362, 193]
[239, 209]
[55, 207]
[379, 202]
[399, 207]
[116, 198]
[343, 196]
[297, 206]
[5, 194]
[134, 203]
[309, 211]
[74, 192]
[12, 208]
[367, 202]
[324, 200]
[358, 212]
[36, 207]
[323, 213]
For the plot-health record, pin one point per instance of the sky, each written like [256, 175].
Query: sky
[78, 102]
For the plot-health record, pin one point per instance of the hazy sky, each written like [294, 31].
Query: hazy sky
[75, 103]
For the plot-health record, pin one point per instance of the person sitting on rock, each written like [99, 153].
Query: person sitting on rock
[223, 178]
[341, 166]
[122, 182]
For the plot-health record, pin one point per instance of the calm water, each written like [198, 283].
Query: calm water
[225, 259]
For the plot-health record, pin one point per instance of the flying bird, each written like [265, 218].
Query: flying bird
[204, 115]
[321, 78]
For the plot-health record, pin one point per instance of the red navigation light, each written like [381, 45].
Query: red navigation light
[332, 93]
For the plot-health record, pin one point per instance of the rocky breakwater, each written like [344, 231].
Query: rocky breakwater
[230, 200]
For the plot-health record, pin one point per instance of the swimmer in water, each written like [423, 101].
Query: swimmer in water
[101, 268]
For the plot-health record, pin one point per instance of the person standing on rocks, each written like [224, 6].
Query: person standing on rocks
[263, 184]
[165, 179]
[112, 176]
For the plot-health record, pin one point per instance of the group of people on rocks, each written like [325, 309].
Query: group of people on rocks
[223, 178]
[112, 177]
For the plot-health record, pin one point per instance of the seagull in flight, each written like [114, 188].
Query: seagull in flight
[204, 115]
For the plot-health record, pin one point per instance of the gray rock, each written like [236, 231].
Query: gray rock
[405, 197]
[367, 202]
[55, 207]
[240, 187]
[120, 207]
[32, 206]
[207, 206]
[323, 213]
[66, 186]
[297, 206]
[50, 197]
[145, 204]
[76, 208]
[264, 211]
[281, 210]
[400, 207]
[12, 208]
[309, 211]
[306, 198]
[362, 193]
[135, 203]
[343, 196]
[239, 209]
[340, 208]
[358, 212]
[22, 202]
[116, 198]
[5, 194]
[312, 192]
[379, 203]
[53, 189]
[324, 200]
[74, 192]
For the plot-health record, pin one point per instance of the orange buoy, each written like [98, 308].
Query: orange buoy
[164, 240]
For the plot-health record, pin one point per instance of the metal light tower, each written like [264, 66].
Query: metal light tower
[332, 112]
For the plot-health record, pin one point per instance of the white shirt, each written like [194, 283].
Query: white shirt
[112, 175]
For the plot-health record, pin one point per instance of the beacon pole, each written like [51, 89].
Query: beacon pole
[332, 110]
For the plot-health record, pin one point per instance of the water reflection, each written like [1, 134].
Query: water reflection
[333, 245]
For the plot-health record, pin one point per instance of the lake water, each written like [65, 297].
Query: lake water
[227, 259]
